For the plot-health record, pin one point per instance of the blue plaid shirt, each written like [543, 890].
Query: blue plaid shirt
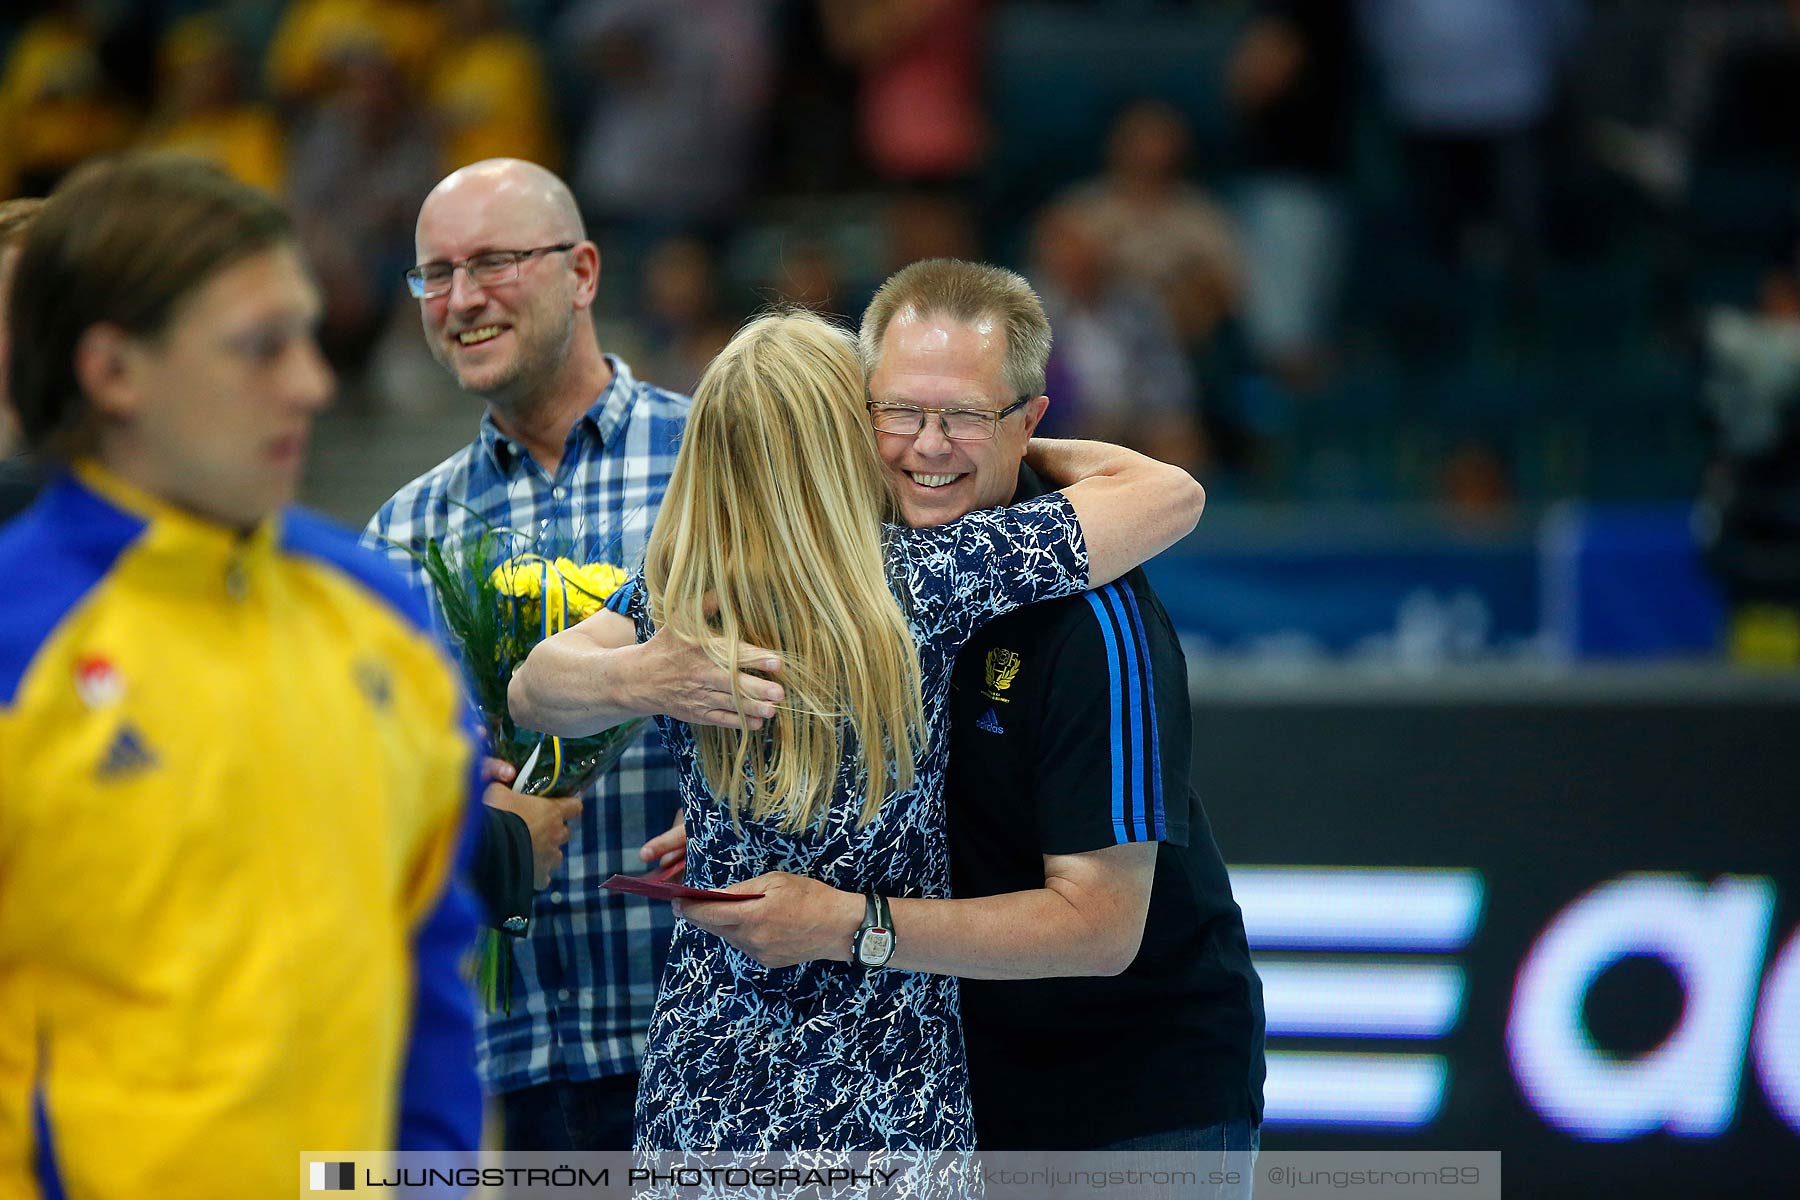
[586, 974]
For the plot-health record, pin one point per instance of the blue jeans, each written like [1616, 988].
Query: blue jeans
[1229, 1147]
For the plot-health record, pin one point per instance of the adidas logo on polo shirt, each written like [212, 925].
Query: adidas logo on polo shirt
[127, 755]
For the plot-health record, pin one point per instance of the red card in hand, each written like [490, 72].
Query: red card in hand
[661, 889]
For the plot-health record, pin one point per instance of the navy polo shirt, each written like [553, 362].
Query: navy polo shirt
[1071, 731]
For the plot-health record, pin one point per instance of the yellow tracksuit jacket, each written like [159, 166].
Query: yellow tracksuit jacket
[235, 778]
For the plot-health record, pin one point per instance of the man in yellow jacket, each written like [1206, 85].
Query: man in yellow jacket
[235, 770]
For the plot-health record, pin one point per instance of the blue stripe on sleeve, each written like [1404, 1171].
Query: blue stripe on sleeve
[1134, 686]
[1118, 749]
[1159, 830]
[1138, 809]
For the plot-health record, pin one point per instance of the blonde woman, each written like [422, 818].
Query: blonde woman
[780, 532]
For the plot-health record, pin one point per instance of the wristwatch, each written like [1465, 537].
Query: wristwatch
[875, 941]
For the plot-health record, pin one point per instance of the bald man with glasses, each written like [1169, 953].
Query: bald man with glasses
[569, 439]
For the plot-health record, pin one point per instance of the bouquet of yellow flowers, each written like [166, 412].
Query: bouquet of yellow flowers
[496, 603]
[581, 589]
[496, 606]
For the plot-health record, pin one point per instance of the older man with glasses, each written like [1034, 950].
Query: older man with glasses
[1079, 848]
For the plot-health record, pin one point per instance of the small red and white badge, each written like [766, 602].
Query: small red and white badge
[98, 682]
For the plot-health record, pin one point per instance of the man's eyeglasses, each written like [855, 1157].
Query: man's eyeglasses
[959, 424]
[489, 269]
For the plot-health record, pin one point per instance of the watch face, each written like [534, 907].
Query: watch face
[876, 946]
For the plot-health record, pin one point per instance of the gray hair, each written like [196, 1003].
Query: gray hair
[965, 291]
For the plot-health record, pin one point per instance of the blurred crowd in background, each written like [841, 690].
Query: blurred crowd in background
[1477, 253]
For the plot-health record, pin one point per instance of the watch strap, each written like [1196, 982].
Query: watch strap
[878, 921]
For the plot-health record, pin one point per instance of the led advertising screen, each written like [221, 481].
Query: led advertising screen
[1569, 931]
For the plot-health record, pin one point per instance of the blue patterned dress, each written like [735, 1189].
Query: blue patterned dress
[830, 1055]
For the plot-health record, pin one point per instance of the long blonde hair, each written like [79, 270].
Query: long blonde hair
[775, 509]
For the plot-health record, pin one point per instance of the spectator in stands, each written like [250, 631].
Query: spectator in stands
[922, 225]
[57, 104]
[919, 98]
[202, 109]
[679, 96]
[19, 479]
[807, 274]
[489, 87]
[684, 324]
[1291, 82]
[361, 160]
[1160, 230]
[1752, 490]
[812, 145]
[1115, 349]
[1729, 87]
[1471, 86]
[1473, 482]
[305, 54]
